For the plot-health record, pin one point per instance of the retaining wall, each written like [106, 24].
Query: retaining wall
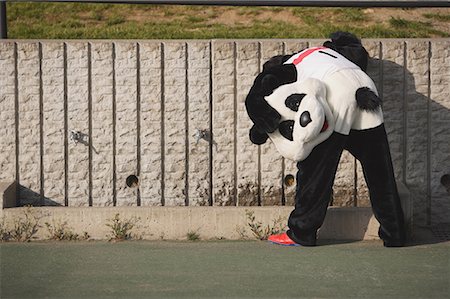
[137, 106]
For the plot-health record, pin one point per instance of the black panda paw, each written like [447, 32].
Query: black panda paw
[366, 99]
[256, 137]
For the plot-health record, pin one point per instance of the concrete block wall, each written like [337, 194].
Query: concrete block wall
[139, 106]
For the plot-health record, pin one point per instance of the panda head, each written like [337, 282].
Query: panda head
[306, 118]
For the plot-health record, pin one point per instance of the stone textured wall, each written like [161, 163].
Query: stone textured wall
[139, 104]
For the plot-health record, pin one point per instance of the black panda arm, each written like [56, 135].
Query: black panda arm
[275, 61]
[261, 113]
[273, 77]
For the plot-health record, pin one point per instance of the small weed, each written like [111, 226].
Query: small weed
[5, 234]
[242, 232]
[193, 236]
[60, 231]
[121, 229]
[261, 232]
[26, 227]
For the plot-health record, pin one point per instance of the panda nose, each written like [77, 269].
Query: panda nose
[305, 119]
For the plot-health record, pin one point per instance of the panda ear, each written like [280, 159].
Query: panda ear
[275, 61]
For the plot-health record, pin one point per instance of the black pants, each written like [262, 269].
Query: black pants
[315, 179]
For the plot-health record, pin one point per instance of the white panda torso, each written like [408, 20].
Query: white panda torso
[342, 78]
[319, 63]
[329, 82]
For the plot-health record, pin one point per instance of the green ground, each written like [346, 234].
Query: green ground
[113, 21]
[233, 269]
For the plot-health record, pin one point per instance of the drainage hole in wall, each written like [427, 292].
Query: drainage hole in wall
[132, 181]
[289, 180]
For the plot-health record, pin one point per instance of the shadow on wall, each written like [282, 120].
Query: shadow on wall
[417, 127]
[30, 197]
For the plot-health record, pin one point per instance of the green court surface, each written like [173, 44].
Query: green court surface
[229, 269]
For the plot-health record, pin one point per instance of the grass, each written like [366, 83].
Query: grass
[109, 21]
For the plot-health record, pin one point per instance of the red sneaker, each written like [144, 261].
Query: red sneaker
[282, 239]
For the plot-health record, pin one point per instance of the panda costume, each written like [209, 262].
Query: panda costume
[313, 105]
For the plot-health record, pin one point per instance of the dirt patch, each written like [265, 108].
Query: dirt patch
[384, 15]
[236, 17]
[232, 16]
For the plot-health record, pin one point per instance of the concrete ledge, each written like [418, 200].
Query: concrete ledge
[174, 223]
[8, 194]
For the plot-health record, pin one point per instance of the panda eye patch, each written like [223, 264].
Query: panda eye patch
[286, 128]
[293, 101]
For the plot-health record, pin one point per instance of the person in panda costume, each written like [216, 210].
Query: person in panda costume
[313, 105]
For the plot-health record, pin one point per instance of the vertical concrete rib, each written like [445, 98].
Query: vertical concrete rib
[283, 160]
[102, 123]
[198, 118]
[29, 122]
[41, 129]
[163, 133]
[174, 123]
[138, 121]
[404, 112]
[53, 122]
[186, 124]
[126, 123]
[439, 142]
[90, 123]
[78, 120]
[381, 74]
[114, 125]
[223, 115]
[416, 124]
[150, 123]
[211, 128]
[235, 195]
[16, 122]
[392, 91]
[66, 129]
[7, 112]
[259, 147]
[429, 139]
[247, 67]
